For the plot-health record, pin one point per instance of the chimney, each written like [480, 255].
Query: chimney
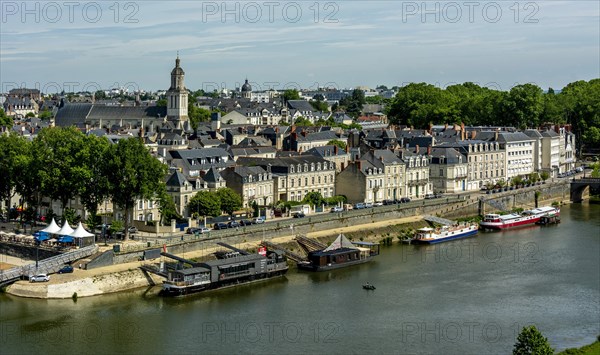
[293, 128]
[462, 126]
[358, 165]
[556, 129]
[335, 150]
[303, 133]
[445, 126]
[473, 134]
[417, 149]
[381, 158]
[496, 136]
[429, 149]
[462, 135]
[294, 136]
[276, 129]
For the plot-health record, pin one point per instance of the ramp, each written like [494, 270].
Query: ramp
[439, 220]
[296, 257]
[242, 252]
[309, 244]
[46, 266]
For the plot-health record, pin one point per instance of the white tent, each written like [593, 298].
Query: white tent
[340, 242]
[66, 229]
[53, 228]
[80, 232]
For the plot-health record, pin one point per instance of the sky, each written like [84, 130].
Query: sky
[92, 45]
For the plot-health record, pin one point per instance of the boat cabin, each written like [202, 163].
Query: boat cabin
[491, 217]
[189, 276]
[338, 256]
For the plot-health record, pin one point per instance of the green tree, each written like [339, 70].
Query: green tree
[30, 115]
[230, 200]
[524, 106]
[205, 203]
[197, 114]
[417, 105]
[531, 342]
[340, 144]
[16, 154]
[161, 103]
[5, 121]
[319, 106]
[544, 175]
[58, 152]
[301, 121]
[166, 206]
[133, 174]
[45, 115]
[354, 103]
[94, 159]
[291, 94]
[313, 198]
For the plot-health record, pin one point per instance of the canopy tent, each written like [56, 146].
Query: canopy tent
[83, 237]
[65, 230]
[80, 232]
[52, 228]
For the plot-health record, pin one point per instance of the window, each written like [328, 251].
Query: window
[313, 180]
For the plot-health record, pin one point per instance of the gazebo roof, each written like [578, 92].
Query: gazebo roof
[80, 232]
[66, 229]
[53, 228]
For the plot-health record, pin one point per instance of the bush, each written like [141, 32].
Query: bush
[530, 341]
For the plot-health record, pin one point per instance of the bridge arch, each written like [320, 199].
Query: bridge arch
[581, 187]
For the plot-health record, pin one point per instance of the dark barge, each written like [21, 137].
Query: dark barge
[341, 253]
[231, 269]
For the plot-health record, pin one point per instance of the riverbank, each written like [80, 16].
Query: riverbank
[127, 276]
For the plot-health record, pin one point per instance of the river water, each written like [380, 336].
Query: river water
[469, 296]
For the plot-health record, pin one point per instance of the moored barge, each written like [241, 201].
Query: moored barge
[235, 269]
[341, 253]
[444, 233]
[512, 220]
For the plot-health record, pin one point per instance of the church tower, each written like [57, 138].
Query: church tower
[177, 98]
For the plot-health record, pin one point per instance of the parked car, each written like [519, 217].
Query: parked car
[388, 202]
[378, 204]
[404, 200]
[299, 215]
[429, 196]
[259, 220]
[368, 205]
[133, 230]
[336, 209]
[359, 206]
[220, 225]
[233, 224]
[203, 230]
[191, 230]
[67, 269]
[39, 278]
[246, 222]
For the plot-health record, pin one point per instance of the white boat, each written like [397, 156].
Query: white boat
[437, 235]
[497, 221]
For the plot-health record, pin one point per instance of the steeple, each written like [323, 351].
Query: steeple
[177, 96]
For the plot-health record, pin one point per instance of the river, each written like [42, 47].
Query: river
[469, 296]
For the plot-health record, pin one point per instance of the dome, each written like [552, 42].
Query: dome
[246, 87]
[177, 70]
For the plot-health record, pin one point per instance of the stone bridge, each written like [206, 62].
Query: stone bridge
[581, 187]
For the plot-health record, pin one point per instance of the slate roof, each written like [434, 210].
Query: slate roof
[76, 114]
[325, 151]
[300, 105]
[177, 179]
[550, 133]
[450, 155]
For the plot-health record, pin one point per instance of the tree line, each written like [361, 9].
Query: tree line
[63, 163]
[523, 106]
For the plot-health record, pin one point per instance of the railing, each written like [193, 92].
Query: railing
[49, 265]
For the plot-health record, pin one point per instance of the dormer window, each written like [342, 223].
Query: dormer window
[291, 168]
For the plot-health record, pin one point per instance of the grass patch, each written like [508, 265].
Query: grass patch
[592, 349]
